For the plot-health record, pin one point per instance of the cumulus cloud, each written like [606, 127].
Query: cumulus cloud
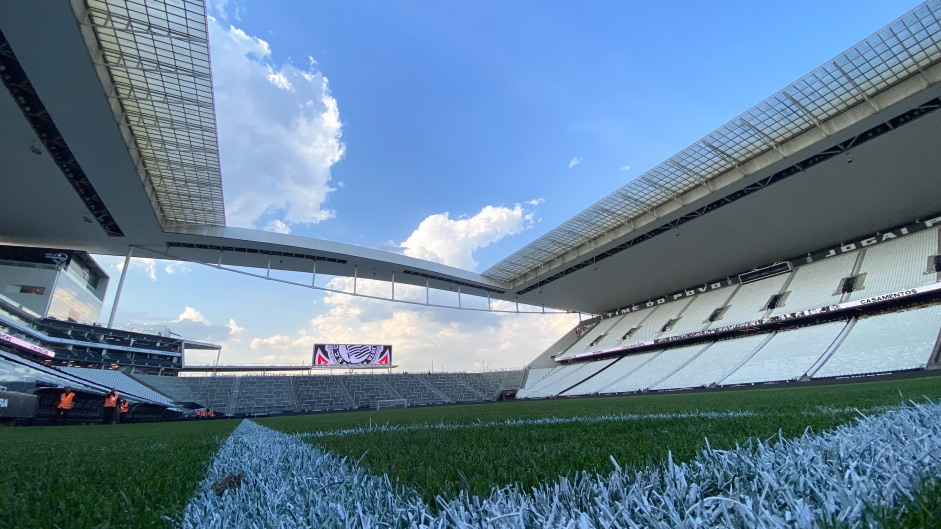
[626, 168]
[191, 314]
[575, 161]
[279, 131]
[535, 202]
[444, 240]
[277, 226]
[234, 329]
[421, 337]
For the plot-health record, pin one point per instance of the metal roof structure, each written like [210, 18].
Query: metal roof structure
[903, 49]
[152, 59]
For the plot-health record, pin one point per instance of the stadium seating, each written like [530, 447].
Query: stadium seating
[658, 368]
[817, 284]
[454, 387]
[749, 300]
[695, 317]
[712, 364]
[889, 342]
[367, 389]
[415, 390]
[602, 328]
[263, 394]
[320, 393]
[617, 371]
[788, 356]
[125, 385]
[622, 326]
[896, 265]
[652, 325]
[566, 377]
[534, 375]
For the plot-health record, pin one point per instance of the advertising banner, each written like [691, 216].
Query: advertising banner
[4, 337]
[350, 355]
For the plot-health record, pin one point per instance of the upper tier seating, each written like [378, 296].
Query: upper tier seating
[788, 355]
[896, 265]
[652, 326]
[888, 342]
[695, 317]
[713, 363]
[749, 300]
[817, 284]
[624, 324]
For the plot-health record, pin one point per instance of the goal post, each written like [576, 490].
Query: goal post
[391, 403]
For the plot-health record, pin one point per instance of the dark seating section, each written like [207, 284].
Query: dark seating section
[260, 395]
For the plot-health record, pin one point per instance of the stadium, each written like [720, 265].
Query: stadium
[758, 342]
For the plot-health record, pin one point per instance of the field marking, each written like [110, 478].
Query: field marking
[587, 419]
[877, 460]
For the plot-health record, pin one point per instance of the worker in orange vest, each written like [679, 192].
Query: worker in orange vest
[111, 407]
[66, 401]
[124, 408]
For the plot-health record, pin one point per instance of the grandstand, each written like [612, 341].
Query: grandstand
[755, 343]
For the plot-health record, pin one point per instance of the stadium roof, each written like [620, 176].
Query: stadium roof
[903, 49]
[108, 133]
[153, 63]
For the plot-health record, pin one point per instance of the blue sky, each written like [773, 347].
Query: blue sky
[456, 132]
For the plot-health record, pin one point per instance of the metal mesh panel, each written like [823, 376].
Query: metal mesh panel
[906, 47]
[157, 55]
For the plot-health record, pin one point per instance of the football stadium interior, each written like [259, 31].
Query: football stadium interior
[797, 245]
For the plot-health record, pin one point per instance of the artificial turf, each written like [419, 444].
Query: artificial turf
[143, 475]
[134, 475]
[477, 458]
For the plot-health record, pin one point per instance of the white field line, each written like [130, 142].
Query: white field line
[879, 460]
[587, 419]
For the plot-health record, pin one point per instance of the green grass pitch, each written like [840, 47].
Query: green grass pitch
[143, 475]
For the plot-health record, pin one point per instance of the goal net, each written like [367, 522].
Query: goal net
[391, 403]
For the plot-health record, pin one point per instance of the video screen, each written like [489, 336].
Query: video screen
[347, 354]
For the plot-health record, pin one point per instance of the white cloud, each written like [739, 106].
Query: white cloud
[177, 267]
[575, 161]
[234, 329]
[191, 314]
[279, 131]
[277, 226]
[626, 168]
[453, 339]
[444, 240]
[278, 79]
[145, 264]
[535, 202]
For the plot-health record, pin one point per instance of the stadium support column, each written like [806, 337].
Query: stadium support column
[117, 295]
[313, 278]
[393, 285]
[355, 274]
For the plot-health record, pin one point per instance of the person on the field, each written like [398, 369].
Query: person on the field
[124, 408]
[66, 401]
[111, 407]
